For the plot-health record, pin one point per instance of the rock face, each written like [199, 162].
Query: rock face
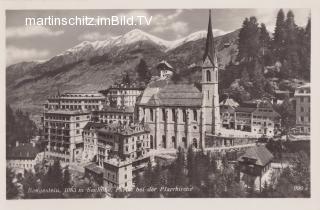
[96, 65]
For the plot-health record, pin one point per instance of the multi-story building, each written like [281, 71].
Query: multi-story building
[119, 115]
[76, 101]
[90, 141]
[123, 151]
[23, 156]
[302, 98]
[122, 94]
[256, 116]
[227, 112]
[63, 133]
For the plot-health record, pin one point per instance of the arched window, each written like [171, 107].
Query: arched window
[208, 76]
[174, 142]
[151, 115]
[195, 143]
[195, 115]
[151, 142]
[173, 114]
[184, 115]
[164, 142]
[184, 141]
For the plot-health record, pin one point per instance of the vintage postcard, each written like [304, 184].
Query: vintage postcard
[114, 103]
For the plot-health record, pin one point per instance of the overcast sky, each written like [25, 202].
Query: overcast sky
[41, 43]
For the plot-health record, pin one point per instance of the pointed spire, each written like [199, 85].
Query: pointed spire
[210, 49]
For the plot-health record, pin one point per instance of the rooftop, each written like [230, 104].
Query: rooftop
[123, 129]
[23, 151]
[259, 153]
[67, 112]
[229, 102]
[122, 109]
[182, 94]
[93, 125]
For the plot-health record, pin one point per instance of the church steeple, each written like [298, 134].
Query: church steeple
[210, 48]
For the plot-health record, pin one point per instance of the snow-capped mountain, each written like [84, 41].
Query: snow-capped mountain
[96, 65]
[88, 49]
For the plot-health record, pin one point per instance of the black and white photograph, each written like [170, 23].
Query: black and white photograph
[158, 103]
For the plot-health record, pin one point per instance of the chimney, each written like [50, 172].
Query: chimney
[17, 143]
[33, 144]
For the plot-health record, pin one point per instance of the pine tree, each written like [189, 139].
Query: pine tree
[279, 36]
[66, 178]
[30, 181]
[265, 44]
[305, 50]
[292, 46]
[126, 79]
[143, 71]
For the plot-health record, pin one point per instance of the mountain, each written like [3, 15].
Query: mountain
[96, 65]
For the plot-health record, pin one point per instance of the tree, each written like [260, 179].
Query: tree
[143, 71]
[258, 80]
[126, 79]
[305, 50]
[265, 44]
[66, 178]
[30, 181]
[287, 113]
[249, 40]
[54, 180]
[11, 188]
[279, 36]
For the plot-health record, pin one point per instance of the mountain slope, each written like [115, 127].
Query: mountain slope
[96, 65]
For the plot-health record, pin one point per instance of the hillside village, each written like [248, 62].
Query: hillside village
[233, 111]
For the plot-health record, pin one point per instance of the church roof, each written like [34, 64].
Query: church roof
[259, 153]
[183, 94]
[210, 48]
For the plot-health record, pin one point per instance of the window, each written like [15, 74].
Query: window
[208, 76]
[77, 118]
[173, 115]
[195, 115]
[301, 109]
[163, 114]
[77, 125]
[184, 115]
[151, 115]
[125, 176]
[78, 131]
[301, 118]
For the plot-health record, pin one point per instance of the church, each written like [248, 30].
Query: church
[181, 114]
[188, 115]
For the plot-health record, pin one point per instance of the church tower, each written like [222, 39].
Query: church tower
[210, 101]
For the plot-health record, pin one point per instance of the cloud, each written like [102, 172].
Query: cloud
[15, 55]
[269, 16]
[165, 23]
[134, 13]
[94, 36]
[29, 31]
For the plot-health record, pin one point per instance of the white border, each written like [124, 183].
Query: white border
[186, 203]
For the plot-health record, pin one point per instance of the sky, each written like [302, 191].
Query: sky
[38, 43]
